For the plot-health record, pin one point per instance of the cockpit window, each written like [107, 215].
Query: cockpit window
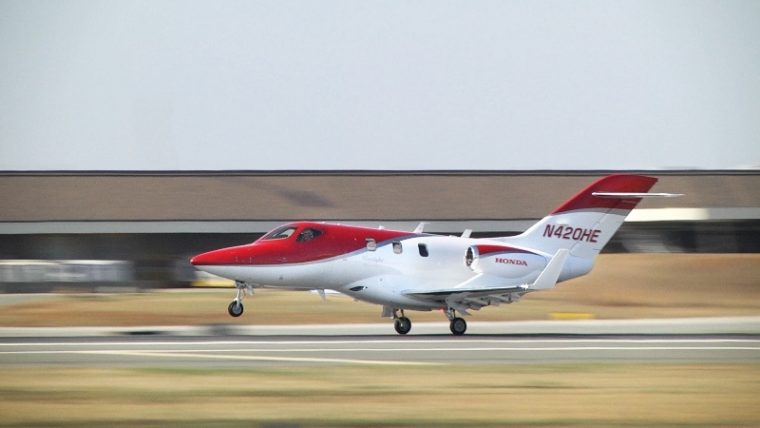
[281, 233]
[308, 235]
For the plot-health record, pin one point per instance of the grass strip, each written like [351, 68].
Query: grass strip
[529, 395]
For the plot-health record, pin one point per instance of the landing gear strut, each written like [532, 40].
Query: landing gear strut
[235, 309]
[457, 325]
[401, 323]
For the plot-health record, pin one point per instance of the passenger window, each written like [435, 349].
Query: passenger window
[397, 248]
[371, 244]
[423, 250]
[308, 235]
[281, 233]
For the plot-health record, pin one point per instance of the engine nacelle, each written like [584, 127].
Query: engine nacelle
[503, 261]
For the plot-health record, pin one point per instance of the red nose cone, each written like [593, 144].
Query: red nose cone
[225, 256]
[200, 260]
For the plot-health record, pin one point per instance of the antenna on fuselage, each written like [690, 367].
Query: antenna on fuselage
[420, 227]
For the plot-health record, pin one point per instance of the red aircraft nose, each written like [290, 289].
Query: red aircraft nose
[224, 256]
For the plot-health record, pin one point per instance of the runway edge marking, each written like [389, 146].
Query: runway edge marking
[184, 354]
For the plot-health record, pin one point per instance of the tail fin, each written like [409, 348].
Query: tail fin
[585, 223]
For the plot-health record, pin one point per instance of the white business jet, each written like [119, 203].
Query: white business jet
[418, 271]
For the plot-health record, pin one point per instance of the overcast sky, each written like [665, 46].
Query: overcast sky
[379, 84]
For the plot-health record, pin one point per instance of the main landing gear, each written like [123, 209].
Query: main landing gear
[235, 309]
[401, 323]
[457, 325]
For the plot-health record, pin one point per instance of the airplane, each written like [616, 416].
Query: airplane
[403, 270]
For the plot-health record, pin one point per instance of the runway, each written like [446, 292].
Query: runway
[372, 350]
[532, 342]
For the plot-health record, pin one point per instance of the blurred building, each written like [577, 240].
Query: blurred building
[143, 226]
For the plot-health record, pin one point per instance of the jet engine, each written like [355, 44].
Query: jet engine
[503, 261]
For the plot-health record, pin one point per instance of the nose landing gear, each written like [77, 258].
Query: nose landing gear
[235, 309]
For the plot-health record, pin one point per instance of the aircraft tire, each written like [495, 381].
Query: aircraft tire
[235, 309]
[402, 325]
[458, 326]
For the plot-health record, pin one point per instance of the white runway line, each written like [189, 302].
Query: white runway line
[283, 347]
[374, 342]
[381, 350]
[269, 358]
[202, 354]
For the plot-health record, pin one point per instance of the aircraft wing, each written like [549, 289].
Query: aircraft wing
[481, 284]
[462, 298]
[483, 290]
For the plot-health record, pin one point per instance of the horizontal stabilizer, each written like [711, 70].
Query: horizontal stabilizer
[548, 278]
[624, 195]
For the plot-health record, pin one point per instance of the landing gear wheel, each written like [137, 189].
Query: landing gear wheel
[402, 325]
[235, 308]
[458, 326]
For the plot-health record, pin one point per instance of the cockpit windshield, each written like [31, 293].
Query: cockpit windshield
[281, 233]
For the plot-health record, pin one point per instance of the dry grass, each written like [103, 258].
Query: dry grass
[621, 286]
[550, 395]
[657, 285]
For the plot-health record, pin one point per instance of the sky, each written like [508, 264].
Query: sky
[267, 85]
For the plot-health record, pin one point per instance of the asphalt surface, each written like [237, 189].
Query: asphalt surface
[700, 340]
